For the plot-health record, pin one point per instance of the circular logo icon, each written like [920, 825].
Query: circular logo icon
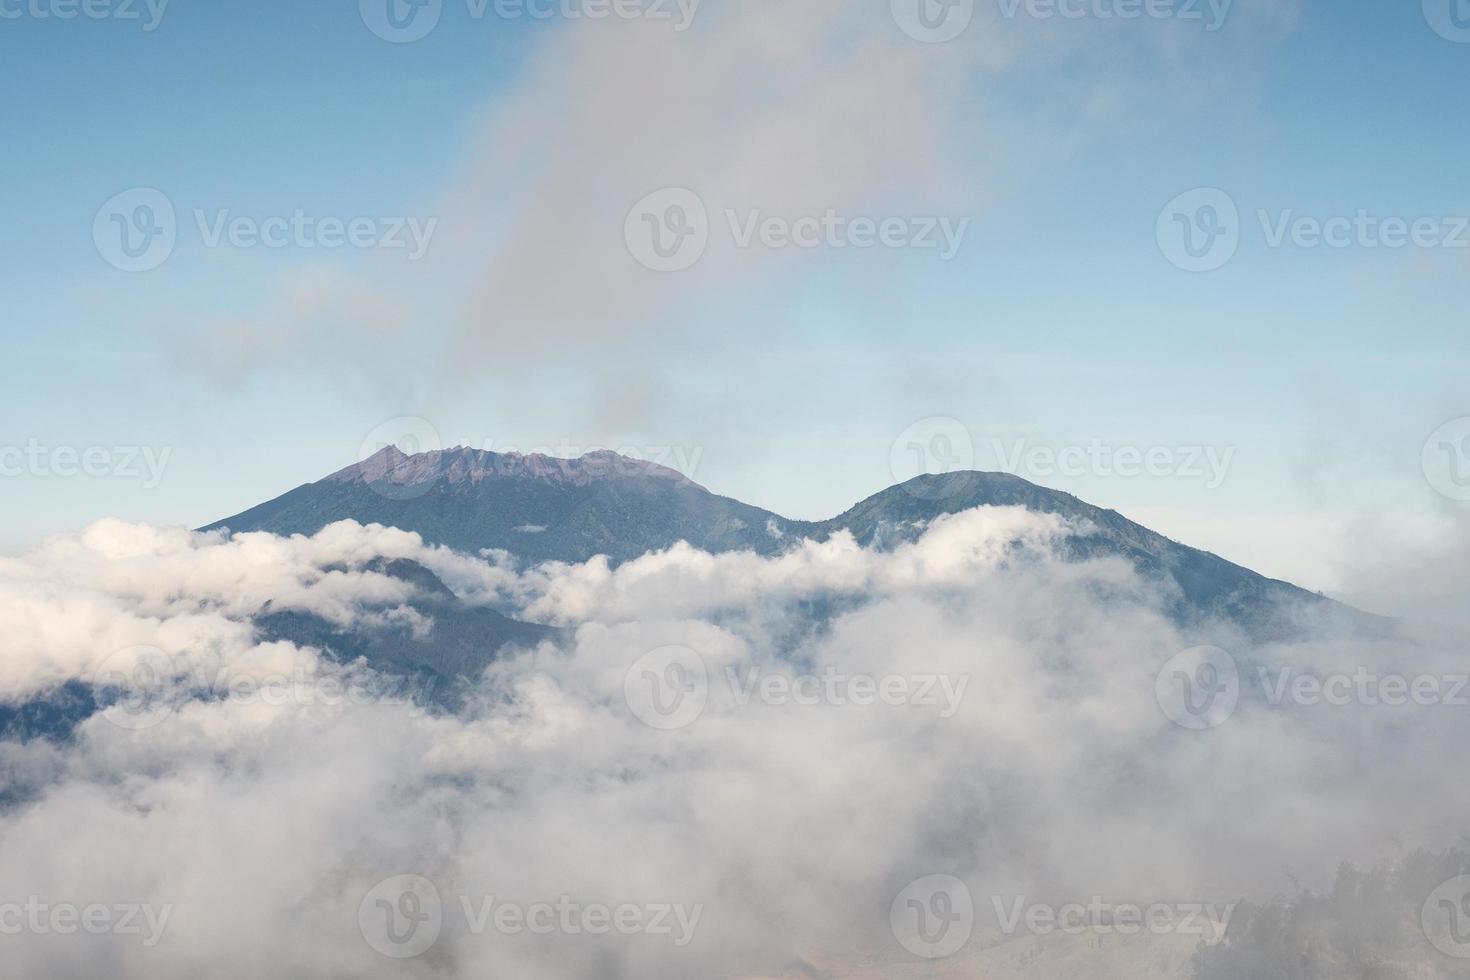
[934, 917]
[668, 231]
[1199, 689]
[136, 231]
[402, 917]
[1447, 918]
[1447, 460]
[381, 458]
[401, 21]
[936, 446]
[933, 21]
[140, 686]
[667, 688]
[1449, 18]
[1199, 231]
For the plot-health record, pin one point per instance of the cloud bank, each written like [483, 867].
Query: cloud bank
[839, 727]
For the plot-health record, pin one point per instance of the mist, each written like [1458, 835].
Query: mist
[967, 720]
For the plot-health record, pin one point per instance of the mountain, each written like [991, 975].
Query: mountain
[432, 666]
[541, 508]
[456, 646]
[536, 507]
[1207, 585]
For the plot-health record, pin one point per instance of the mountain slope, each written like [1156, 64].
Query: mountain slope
[459, 642]
[539, 509]
[432, 666]
[1207, 584]
[536, 507]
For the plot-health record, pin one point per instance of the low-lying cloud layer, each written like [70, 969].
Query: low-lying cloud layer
[833, 760]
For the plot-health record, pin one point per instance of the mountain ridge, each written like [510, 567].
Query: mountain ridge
[464, 464]
[543, 508]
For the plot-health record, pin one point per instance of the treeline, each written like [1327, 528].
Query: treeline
[1392, 923]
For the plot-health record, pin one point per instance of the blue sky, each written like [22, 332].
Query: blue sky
[789, 374]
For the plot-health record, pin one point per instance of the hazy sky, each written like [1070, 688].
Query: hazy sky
[175, 305]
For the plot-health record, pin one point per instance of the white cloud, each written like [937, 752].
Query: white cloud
[1059, 777]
